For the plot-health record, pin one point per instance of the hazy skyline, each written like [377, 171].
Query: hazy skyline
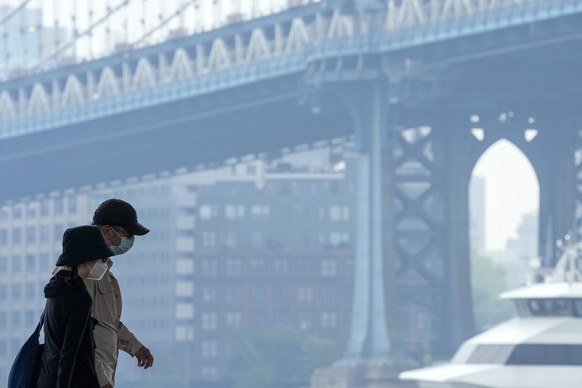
[511, 191]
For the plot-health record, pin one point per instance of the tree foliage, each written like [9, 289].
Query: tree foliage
[488, 281]
[278, 357]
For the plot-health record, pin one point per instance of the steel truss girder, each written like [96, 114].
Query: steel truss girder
[431, 232]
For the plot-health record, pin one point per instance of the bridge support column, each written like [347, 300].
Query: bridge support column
[372, 356]
[559, 173]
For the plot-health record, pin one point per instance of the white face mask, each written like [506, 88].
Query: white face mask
[98, 270]
[125, 244]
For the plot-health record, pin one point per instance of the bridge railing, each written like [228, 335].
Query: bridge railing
[407, 13]
[287, 45]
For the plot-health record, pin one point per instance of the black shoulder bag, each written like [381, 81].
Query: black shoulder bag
[26, 366]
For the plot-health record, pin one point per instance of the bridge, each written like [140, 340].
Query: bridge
[425, 86]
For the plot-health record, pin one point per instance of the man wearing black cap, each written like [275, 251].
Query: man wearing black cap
[118, 222]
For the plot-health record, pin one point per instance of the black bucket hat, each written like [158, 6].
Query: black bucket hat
[117, 212]
[82, 244]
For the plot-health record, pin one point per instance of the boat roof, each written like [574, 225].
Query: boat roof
[531, 330]
[545, 291]
[498, 376]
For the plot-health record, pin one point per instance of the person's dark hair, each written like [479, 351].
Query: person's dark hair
[71, 275]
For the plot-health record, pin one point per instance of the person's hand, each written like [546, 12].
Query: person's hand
[107, 386]
[144, 358]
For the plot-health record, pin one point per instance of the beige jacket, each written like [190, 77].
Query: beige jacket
[110, 333]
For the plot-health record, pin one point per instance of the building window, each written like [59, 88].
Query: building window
[257, 239]
[3, 264]
[329, 268]
[16, 263]
[281, 294]
[260, 211]
[209, 294]
[30, 290]
[232, 212]
[17, 213]
[328, 295]
[304, 294]
[29, 318]
[184, 311]
[184, 267]
[58, 206]
[305, 267]
[209, 321]
[328, 320]
[71, 204]
[58, 232]
[44, 233]
[233, 295]
[422, 321]
[321, 213]
[3, 236]
[15, 319]
[209, 268]
[339, 239]
[208, 239]
[233, 267]
[183, 333]
[31, 210]
[282, 318]
[251, 169]
[30, 262]
[30, 234]
[209, 349]
[44, 262]
[17, 236]
[257, 319]
[209, 372]
[257, 267]
[349, 266]
[231, 240]
[3, 320]
[339, 213]
[3, 292]
[233, 319]
[184, 289]
[44, 208]
[208, 212]
[280, 267]
[305, 321]
[258, 295]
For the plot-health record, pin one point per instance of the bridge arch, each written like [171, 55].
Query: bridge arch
[73, 92]
[548, 143]
[511, 182]
[108, 84]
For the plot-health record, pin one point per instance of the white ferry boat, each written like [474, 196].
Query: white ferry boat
[539, 348]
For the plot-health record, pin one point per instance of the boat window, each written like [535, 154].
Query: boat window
[522, 308]
[546, 354]
[490, 354]
[527, 354]
[577, 307]
[550, 307]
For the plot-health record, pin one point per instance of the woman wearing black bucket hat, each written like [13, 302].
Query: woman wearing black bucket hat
[69, 355]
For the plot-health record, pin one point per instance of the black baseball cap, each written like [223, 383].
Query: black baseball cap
[117, 212]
